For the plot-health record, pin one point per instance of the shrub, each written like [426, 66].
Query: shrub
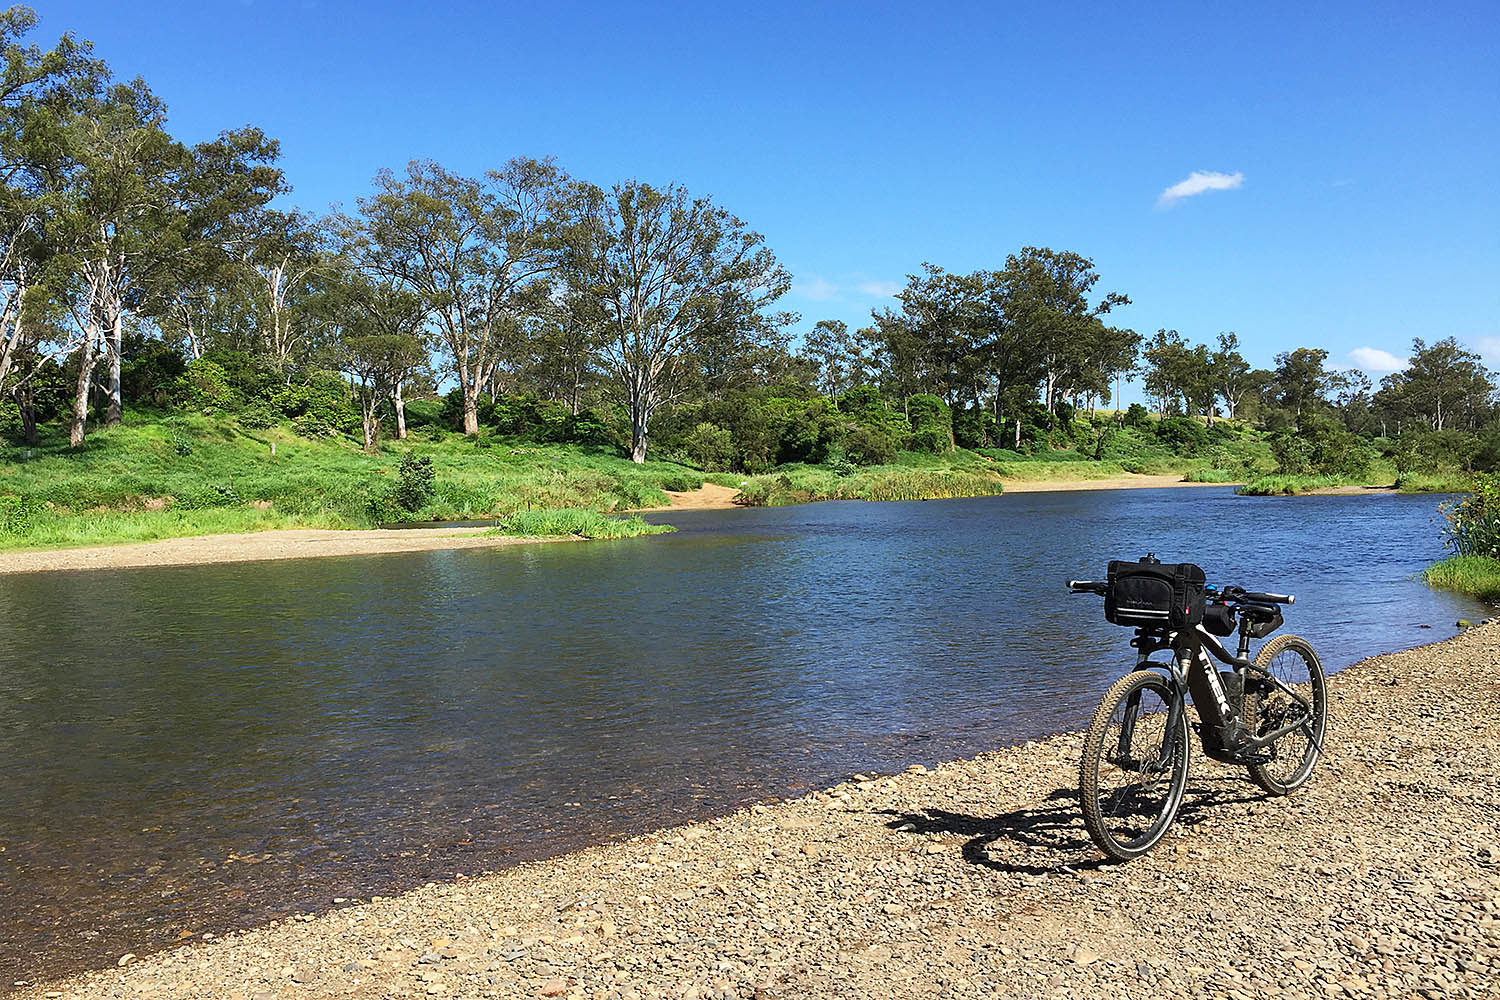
[1136, 415]
[204, 387]
[710, 447]
[257, 417]
[17, 514]
[414, 482]
[1473, 527]
[975, 427]
[209, 495]
[150, 370]
[931, 424]
[313, 426]
[808, 430]
[1181, 434]
[864, 445]
[182, 445]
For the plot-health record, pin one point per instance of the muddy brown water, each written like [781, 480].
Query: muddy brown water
[194, 749]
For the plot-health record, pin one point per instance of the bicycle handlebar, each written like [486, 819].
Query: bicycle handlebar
[1226, 593]
[1257, 597]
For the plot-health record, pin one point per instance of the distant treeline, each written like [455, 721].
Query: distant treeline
[139, 270]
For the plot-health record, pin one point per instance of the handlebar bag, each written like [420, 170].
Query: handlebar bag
[1154, 594]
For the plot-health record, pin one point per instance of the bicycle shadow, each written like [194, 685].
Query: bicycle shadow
[1045, 838]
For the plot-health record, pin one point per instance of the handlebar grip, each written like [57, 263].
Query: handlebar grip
[1273, 598]
[1086, 586]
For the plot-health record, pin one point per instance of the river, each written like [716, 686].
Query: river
[192, 749]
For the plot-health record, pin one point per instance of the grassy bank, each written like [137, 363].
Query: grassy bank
[574, 521]
[1476, 576]
[1382, 475]
[171, 476]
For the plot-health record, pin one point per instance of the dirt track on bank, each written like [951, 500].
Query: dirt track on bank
[975, 879]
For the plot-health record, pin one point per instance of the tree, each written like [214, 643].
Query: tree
[842, 358]
[1047, 295]
[282, 258]
[1446, 384]
[377, 363]
[1177, 370]
[665, 271]
[1230, 373]
[471, 248]
[1300, 379]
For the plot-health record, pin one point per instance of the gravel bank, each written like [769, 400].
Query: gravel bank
[976, 879]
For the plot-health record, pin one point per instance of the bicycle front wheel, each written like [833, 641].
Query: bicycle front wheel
[1135, 766]
[1292, 661]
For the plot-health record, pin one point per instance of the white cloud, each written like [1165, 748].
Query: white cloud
[1198, 182]
[880, 289]
[816, 289]
[1488, 348]
[1374, 360]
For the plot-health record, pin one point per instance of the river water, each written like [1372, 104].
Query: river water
[192, 749]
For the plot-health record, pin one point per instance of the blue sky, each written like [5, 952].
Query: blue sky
[1355, 147]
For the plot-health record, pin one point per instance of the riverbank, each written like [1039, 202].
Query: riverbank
[258, 546]
[1380, 879]
[1122, 482]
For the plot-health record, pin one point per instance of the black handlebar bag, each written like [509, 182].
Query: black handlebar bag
[1154, 594]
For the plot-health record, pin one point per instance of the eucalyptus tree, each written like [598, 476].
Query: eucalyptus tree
[472, 248]
[282, 256]
[39, 89]
[1447, 384]
[377, 362]
[565, 363]
[398, 316]
[1047, 294]
[842, 358]
[1231, 374]
[666, 270]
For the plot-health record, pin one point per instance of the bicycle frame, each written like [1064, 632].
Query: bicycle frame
[1191, 651]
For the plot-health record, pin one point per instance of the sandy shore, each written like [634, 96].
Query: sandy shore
[1126, 482]
[1380, 879]
[299, 543]
[710, 496]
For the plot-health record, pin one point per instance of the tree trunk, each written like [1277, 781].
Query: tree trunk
[400, 404]
[116, 409]
[367, 412]
[637, 434]
[471, 409]
[1018, 434]
[81, 393]
[28, 416]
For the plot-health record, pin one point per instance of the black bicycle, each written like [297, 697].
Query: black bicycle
[1268, 714]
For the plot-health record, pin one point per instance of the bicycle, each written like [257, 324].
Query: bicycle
[1268, 714]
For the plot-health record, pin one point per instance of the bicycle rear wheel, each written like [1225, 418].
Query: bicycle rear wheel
[1134, 767]
[1292, 661]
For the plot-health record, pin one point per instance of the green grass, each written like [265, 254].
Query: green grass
[134, 482]
[912, 476]
[1435, 482]
[581, 522]
[1282, 485]
[1476, 576]
[1382, 474]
